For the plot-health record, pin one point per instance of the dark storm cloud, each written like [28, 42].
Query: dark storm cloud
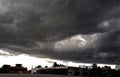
[36, 27]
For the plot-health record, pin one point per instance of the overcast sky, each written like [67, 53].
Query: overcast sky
[70, 30]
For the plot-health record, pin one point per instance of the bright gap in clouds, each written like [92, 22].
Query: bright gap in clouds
[26, 60]
[30, 61]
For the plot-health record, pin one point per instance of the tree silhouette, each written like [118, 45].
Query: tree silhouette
[55, 64]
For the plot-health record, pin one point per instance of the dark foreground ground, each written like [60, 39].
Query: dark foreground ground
[33, 75]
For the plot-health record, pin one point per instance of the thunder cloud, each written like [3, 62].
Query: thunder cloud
[73, 30]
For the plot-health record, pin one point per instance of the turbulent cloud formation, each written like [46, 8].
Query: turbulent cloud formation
[74, 30]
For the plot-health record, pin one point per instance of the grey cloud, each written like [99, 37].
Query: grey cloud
[35, 26]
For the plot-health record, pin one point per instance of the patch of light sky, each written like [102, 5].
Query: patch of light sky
[31, 62]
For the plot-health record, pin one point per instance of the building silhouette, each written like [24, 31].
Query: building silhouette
[93, 71]
[59, 69]
[13, 69]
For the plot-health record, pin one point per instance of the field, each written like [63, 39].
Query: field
[33, 75]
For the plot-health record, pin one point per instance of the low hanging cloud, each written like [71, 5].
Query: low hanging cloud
[72, 43]
[74, 30]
